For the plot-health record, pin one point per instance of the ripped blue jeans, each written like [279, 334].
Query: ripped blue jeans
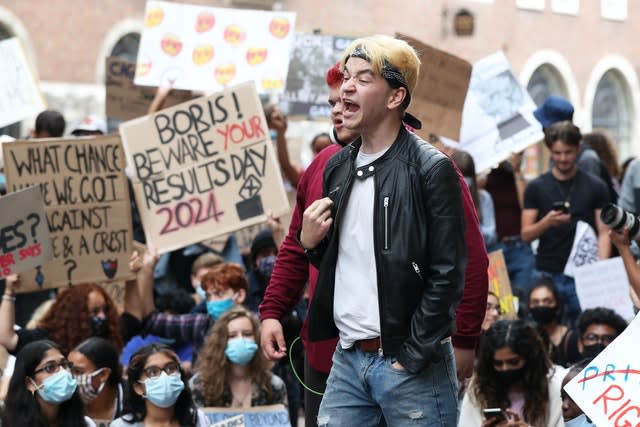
[363, 389]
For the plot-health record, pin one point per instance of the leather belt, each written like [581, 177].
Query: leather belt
[511, 239]
[371, 345]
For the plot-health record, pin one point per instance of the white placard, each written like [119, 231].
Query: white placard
[497, 119]
[614, 9]
[565, 7]
[531, 4]
[19, 93]
[607, 389]
[207, 48]
[604, 284]
[584, 250]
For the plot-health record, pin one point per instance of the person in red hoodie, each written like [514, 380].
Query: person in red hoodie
[292, 271]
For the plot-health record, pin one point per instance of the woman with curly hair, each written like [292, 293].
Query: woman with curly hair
[79, 312]
[42, 392]
[231, 370]
[513, 374]
[156, 392]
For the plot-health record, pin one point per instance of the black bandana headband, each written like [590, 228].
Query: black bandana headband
[394, 77]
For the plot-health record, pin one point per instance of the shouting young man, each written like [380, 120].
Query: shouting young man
[388, 238]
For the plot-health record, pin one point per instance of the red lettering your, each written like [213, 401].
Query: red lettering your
[237, 133]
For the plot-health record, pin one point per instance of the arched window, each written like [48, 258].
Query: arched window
[14, 128]
[127, 47]
[544, 82]
[612, 109]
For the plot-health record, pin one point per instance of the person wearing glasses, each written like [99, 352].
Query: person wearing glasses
[512, 384]
[42, 391]
[598, 327]
[231, 371]
[156, 392]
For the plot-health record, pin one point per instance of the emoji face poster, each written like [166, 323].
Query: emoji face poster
[206, 48]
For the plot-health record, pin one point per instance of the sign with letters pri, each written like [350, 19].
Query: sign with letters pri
[124, 100]
[86, 198]
[19, 93]
[203, 168]
[257, 416]
[500, 285]
[607, 389]
[24, 234]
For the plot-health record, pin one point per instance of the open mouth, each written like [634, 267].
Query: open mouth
[337, 122]
[349, 106]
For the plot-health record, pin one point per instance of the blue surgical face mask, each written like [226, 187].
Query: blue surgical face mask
[579, 421]
[58, 388]
[218, 308]
[240, 350]
[163, 390]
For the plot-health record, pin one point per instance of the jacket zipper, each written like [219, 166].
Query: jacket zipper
[417, 269]
[376, 212]
[386, 223]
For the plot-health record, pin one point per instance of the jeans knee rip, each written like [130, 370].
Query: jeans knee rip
[415, 415]
[323, 420]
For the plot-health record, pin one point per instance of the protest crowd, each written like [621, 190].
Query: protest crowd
[375, 299]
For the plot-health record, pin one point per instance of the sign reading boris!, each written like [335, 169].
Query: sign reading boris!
[203, 168]
[24, 235]
[86, 198]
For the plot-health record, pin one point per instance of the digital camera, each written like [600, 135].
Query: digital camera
[618, 219]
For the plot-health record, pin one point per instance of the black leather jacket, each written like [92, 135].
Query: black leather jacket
[419, 245]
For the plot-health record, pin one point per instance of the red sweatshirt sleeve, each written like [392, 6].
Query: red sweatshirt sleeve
[291, 272]
[471, 310]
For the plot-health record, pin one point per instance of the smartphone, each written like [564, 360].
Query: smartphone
[496, 413]
[560, 206]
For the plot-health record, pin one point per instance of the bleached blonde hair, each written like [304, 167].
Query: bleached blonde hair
[381, 50]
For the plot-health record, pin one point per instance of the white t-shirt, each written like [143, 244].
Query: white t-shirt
[355, 302]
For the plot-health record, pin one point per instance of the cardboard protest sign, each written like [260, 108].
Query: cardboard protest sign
[124, 100]
[306, 91]
[19, 93]
[500, 284]
[607, 389]
[208, 48]
[204, 168]
[439, 96]
[497, 119]
[604, 284]
[257, 416]
[24, 234]
[87, 206]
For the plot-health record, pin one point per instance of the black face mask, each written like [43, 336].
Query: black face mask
[543, 314]
[510, 377]
[591, 351]
[99, 326]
